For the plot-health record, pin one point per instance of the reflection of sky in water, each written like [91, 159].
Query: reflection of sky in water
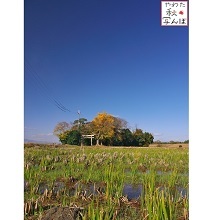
[42, 187]
[58, 186]
[132, 191]
[135, 191]
[183, 191]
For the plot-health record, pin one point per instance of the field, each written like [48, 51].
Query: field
[104, 183]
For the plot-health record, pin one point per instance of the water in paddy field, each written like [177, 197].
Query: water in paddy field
[131, 191]
[135, 191]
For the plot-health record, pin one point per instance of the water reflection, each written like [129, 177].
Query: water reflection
[42, 187]
[131, 191]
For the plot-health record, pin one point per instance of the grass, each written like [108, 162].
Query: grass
[97, 176]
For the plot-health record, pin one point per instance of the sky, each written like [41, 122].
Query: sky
[97, 56]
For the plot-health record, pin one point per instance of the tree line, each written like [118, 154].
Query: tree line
[107, 130]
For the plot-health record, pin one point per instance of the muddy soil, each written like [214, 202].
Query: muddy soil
[62, 213]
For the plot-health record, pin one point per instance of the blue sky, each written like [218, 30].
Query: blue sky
[97, 56]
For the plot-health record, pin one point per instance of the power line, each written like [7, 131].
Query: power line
[43, 87]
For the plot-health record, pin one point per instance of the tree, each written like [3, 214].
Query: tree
[142, 138]
[107, 129]
[139, 139]
[149, 138]
[82, 125]
[80, 121]
[72, 137]
[126, 137]
[60, 128]
[103, 126]
[63, 137]
[119, 125]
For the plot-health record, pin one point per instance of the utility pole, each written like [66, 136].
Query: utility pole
[78, 112]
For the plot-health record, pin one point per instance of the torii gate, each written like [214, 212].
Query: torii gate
[91, 136]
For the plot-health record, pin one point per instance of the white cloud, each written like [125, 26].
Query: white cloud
[47, 137]
[49, 134]
[42, 135]
[157, 134]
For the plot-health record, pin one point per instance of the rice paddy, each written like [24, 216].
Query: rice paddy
[106, 182]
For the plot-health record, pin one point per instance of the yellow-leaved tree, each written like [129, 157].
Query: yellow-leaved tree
[103, 126]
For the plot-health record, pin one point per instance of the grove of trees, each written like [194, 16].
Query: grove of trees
[107, 130]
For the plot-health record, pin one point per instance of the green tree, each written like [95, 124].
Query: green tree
[149, 138]
[138, 137]
[80, 121]
[72, 137]
[126, 137]
[142, 138]
[82, 125]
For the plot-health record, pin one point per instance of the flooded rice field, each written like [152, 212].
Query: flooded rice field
[131, 191]
[106, 183]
